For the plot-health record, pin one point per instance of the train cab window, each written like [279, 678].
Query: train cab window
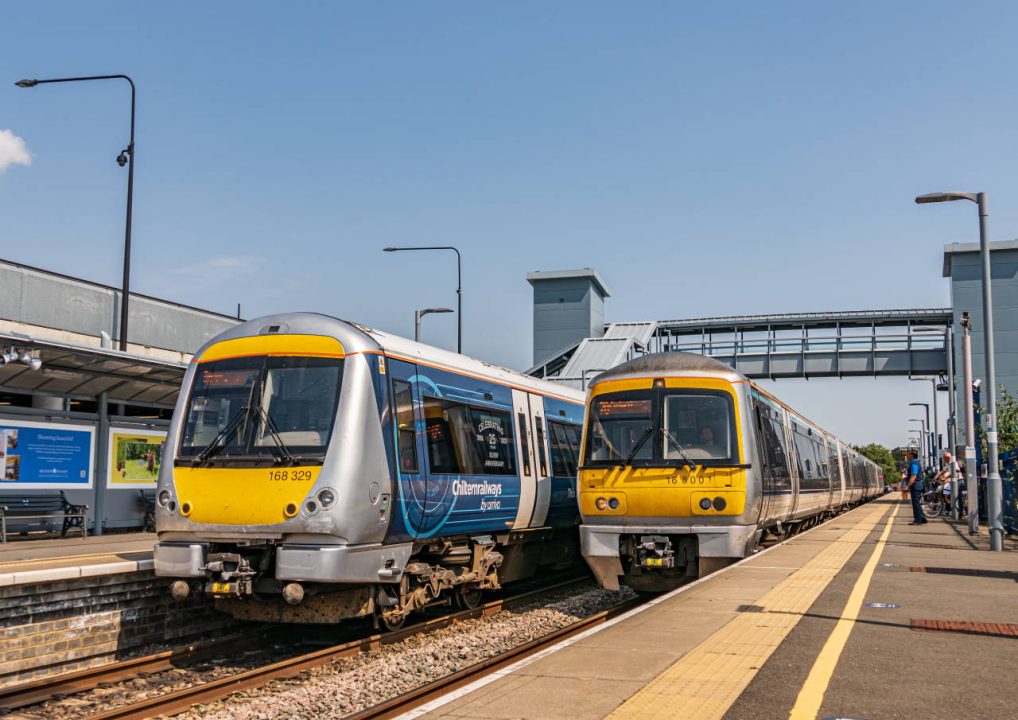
[468, 440]
[565, 443]
[697, 427]
[621, 425]
[406, 432]
[257, 409]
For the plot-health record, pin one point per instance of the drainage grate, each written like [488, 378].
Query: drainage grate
[966, 628]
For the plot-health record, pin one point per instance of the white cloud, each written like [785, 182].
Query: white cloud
[12, 150]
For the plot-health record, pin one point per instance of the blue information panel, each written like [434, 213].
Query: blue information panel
[45, 455]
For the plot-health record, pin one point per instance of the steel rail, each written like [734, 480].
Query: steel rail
[38, 691]
[178, 701]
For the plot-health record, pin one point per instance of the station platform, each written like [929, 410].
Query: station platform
[865, 616]
[69, 558]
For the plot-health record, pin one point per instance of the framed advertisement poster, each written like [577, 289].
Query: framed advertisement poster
[45, 456]
[134, 458]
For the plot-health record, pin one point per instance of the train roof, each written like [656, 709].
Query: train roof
[664, 364]
[357, 339]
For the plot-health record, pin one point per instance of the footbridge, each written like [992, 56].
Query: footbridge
[858, 343]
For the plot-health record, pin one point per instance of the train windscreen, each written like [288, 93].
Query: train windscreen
[665, 426]
[262, 408]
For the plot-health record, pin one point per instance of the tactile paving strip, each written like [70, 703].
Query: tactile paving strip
[965, 627]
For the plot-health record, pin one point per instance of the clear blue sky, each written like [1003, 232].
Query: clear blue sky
[707, 159]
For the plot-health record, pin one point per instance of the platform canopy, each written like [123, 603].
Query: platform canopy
[83, 373]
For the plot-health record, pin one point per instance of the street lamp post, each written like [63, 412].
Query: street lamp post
[418, 314]
[931, 448]
[994, 486]
[924, 441]
[937, 446]
[971, 475]
[459, 285]
[126, 157]
[952, 427]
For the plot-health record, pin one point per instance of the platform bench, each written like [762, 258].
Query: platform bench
[40, 508]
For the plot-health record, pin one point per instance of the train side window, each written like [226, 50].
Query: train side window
[541, 447]
[468, 440]
[524, 443]
[406, 434]
[565, 440]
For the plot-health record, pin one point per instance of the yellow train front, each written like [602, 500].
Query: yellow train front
[686, 464]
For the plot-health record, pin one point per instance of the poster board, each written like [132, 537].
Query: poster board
[45, 455]
[134, 458]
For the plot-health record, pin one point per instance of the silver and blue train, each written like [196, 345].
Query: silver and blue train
[317, 470]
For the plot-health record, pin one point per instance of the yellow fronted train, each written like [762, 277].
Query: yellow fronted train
[686, 465]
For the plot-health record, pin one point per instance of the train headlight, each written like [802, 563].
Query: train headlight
[601, 504]
[326, 498]
[719, 503]
[705, 504]
[164, 498]
[613, 503]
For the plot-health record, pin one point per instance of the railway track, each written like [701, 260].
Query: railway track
[425, 693]
[176, 701]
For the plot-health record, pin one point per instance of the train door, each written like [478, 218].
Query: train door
[542, 466]
[532, 463]
[408, 424]
[765, 453]
[793, 467]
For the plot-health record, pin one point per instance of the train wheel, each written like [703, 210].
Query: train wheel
[469, 598]
[390, 621]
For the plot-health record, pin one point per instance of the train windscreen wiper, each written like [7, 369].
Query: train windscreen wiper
[678, 447]
[219, 441]
[284, 451]
[639, 444]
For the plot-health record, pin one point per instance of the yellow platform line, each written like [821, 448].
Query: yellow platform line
[709, 679]
[811, 695]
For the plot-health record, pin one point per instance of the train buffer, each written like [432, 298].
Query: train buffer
[864, 616]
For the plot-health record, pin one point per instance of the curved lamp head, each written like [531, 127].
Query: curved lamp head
[945, 197]
[429, 311]
[27, 83]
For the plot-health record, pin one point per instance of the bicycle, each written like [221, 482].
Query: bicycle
[933, 500]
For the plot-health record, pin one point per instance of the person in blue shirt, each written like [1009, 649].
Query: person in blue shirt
[915, 488]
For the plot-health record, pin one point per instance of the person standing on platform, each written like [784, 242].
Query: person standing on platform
[944, 477]
[915, 488]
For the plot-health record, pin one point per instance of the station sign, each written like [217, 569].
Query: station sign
[134, 458]
[45, 455]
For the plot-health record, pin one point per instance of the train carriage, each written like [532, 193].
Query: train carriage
[686, 465]
[320, 470]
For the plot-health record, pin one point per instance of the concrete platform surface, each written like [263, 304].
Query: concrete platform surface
[29, 561]
[865, 616]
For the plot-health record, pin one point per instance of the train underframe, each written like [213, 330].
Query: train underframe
[241, 578]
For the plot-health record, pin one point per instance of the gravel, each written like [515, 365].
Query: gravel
[353, 684]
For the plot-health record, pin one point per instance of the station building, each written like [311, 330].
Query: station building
[78, 417]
